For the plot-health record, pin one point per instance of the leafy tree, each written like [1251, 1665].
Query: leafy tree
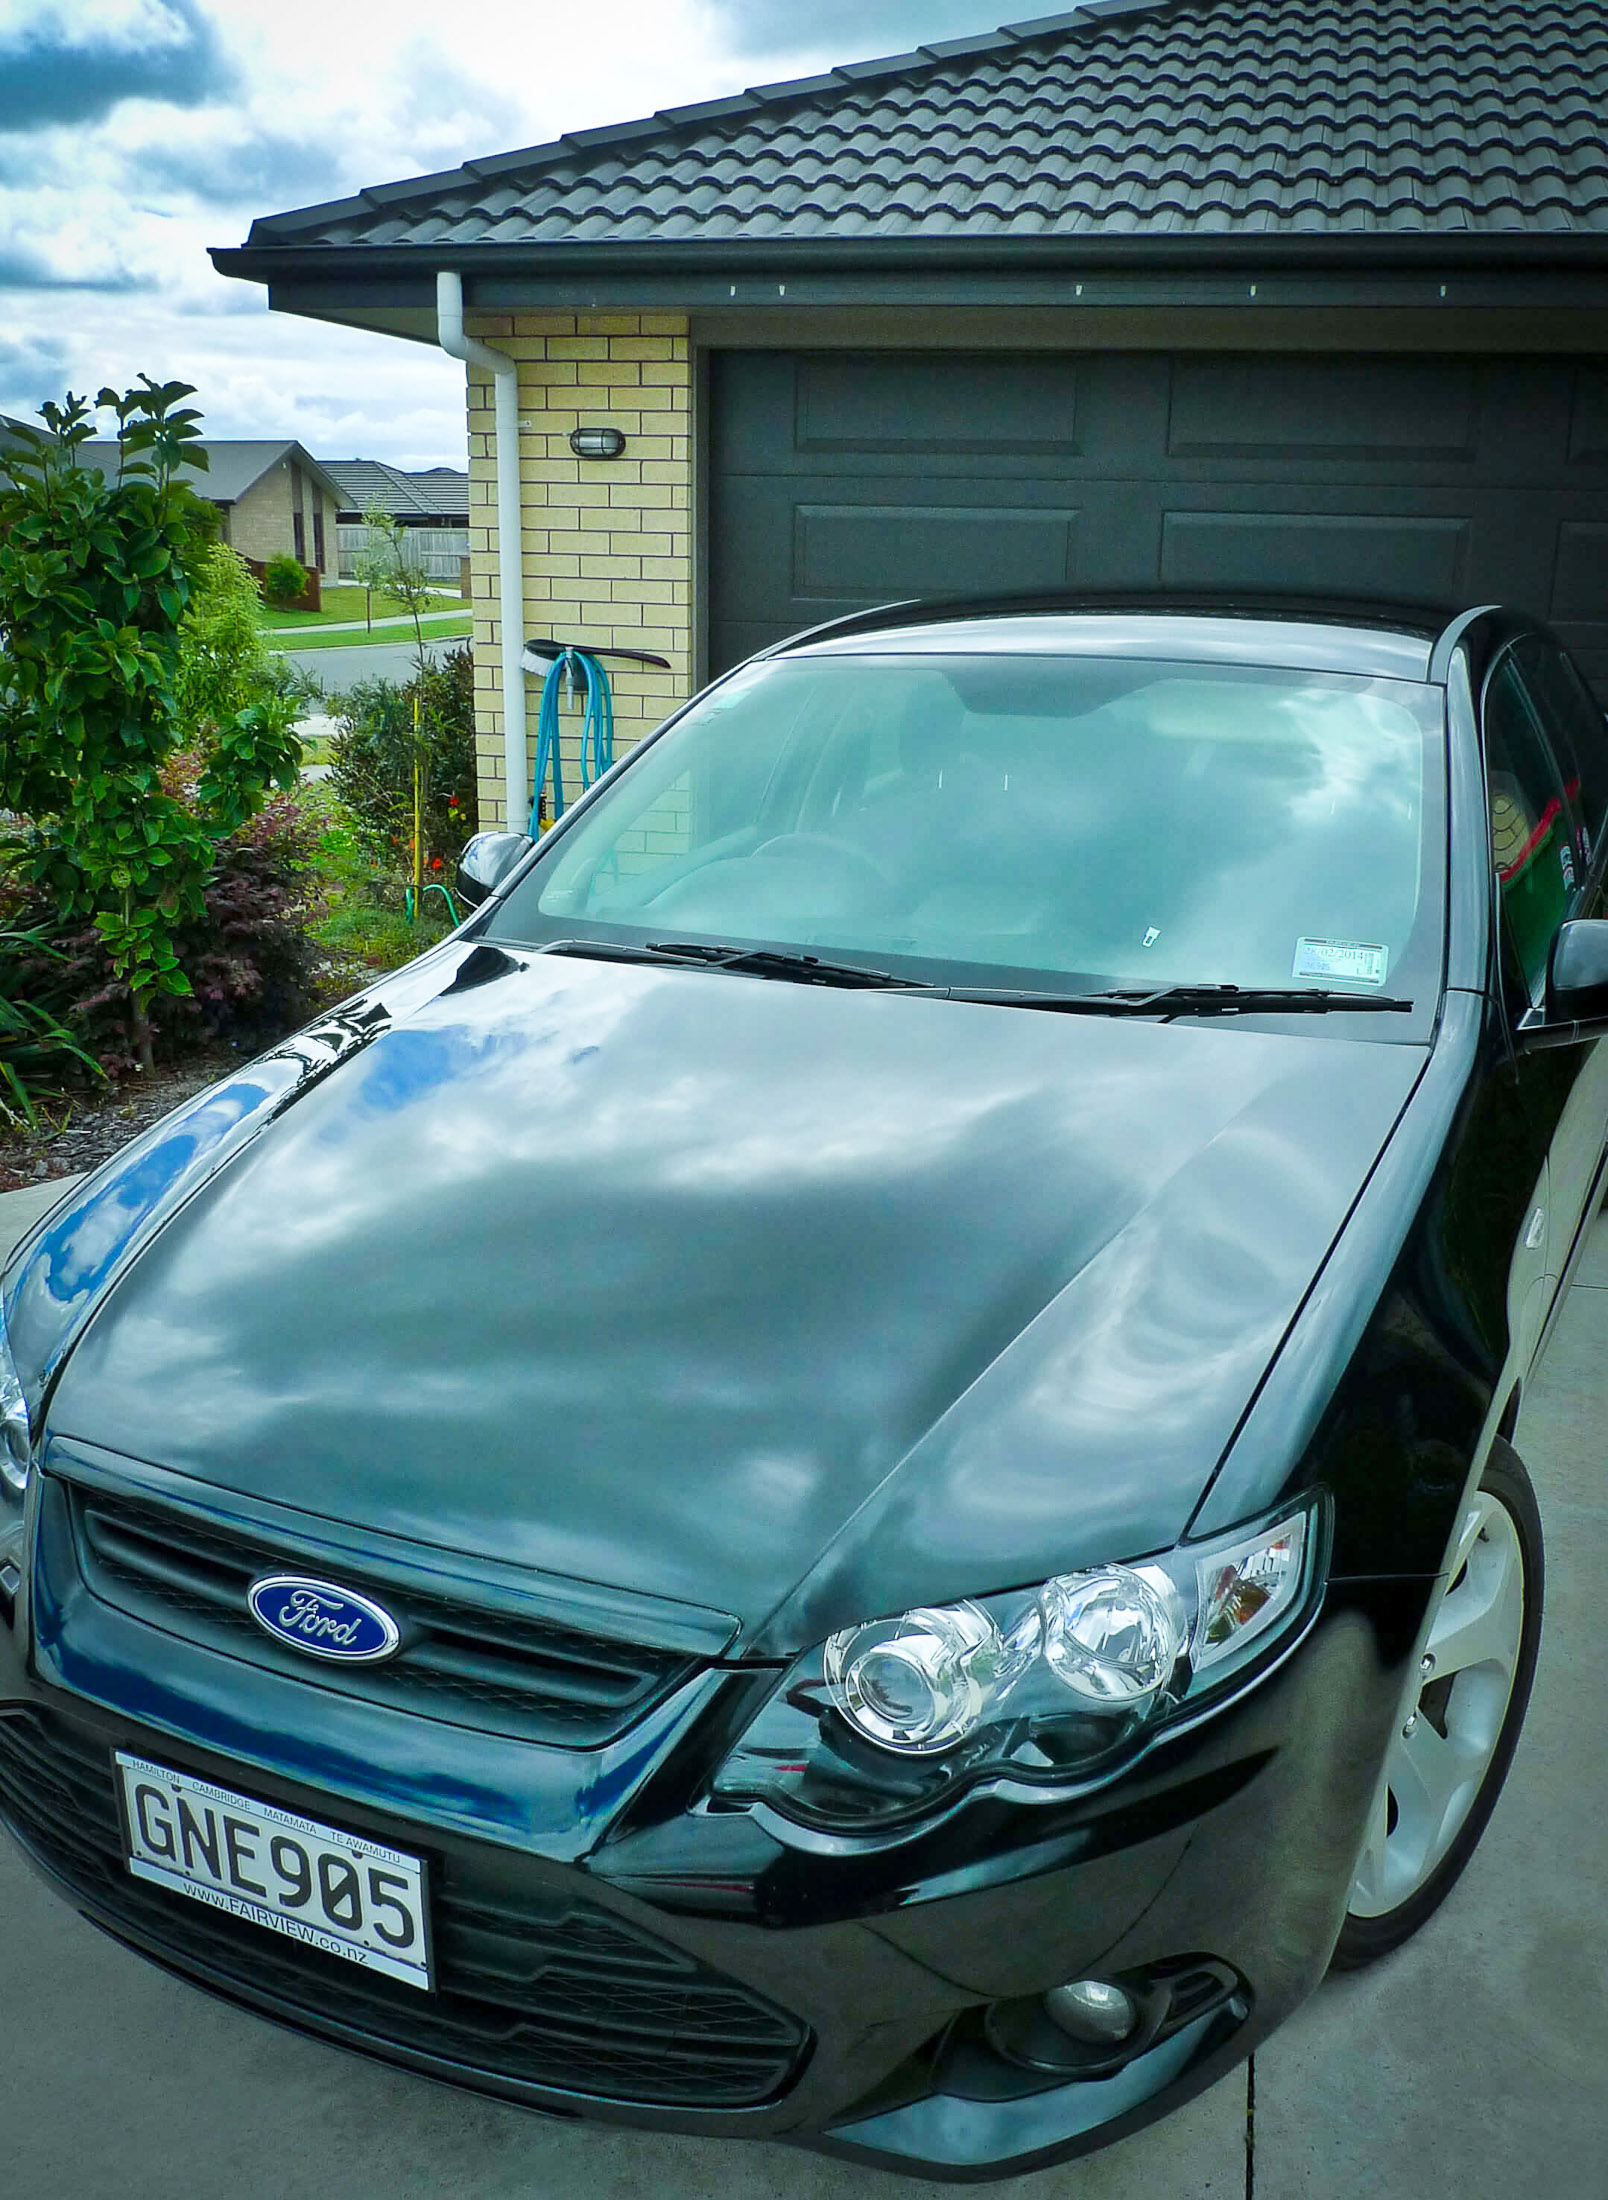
[385, 562]
[96, 576]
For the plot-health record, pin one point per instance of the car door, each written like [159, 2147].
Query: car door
[1549, 848]
[1573, 722]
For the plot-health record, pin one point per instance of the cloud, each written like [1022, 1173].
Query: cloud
[239, 166]
[856, 30]
[22, 269]
[440, 108]
[30, 371]
[62, 64]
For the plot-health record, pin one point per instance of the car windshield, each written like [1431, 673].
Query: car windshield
[1070, 823]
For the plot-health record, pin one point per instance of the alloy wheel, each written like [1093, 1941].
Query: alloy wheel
[1442, 1754]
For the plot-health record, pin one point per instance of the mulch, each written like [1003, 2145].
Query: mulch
[104, 1119]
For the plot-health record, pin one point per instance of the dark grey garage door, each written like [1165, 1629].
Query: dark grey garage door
[842, 479]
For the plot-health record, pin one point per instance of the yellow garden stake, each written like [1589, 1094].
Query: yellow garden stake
[418, 815]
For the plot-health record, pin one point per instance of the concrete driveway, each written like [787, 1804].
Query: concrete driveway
[1470, 2064]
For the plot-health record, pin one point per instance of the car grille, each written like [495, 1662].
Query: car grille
[530, 1985]
[499, 1672]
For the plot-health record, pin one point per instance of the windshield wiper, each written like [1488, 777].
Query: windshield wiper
[1164, 1001]
[774, 962]
[753, 962]
[1183, 1000]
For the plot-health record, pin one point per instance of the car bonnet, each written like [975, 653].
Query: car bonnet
[698, 1284]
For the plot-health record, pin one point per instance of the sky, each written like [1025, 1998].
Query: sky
[136, 133]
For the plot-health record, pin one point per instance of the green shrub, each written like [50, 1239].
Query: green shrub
[225, 663]
[96, 573]
[372, 755]
[284, 582]
[250, 963]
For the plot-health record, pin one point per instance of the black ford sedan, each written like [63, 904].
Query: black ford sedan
[843, 1474]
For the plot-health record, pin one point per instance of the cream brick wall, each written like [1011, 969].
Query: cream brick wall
[260, 522]
[607, 542]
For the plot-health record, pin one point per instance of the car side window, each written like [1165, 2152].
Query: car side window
[1533, 833]
[1574, 719]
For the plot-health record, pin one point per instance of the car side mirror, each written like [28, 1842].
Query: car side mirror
[486, 861]
[1577, 974]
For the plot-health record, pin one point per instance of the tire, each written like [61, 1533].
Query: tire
[1449, 1760]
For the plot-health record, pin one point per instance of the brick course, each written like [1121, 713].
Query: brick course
[607, 543]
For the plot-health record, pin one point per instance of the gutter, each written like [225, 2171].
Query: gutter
[276, 246]
[510, 535]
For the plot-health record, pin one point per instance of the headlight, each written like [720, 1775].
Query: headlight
[1044, 1687]
[15, 1455]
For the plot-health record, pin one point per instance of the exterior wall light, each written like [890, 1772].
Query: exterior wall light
[597, 442]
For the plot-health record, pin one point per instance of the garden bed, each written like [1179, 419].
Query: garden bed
[81, 1133]
[85, 1126]
[358, 933]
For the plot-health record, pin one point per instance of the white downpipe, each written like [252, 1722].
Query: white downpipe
[510, 534]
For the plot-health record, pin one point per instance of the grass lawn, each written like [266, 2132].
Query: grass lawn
[345, 602]
[438, 626]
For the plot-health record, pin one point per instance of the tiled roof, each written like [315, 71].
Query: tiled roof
[1124, 118]
[368, 484]
[232, 467]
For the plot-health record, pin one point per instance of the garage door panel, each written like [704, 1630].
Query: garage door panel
[965, 416]
[778, 563]
[1283, 410]
[1588, 418]
[1578, 604]
[971, 406]
[1416, 560]
[750, 558]
[857, 550]
[1580, 573]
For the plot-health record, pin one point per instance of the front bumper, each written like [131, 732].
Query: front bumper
[670, 1967]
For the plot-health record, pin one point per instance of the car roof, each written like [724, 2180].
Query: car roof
[1391, 642]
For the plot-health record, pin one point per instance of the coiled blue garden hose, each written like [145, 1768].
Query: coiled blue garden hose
[575, 669]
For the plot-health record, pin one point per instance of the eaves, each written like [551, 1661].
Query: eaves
[1502, 269]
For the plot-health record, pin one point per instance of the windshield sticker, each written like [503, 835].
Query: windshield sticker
[1352, 959]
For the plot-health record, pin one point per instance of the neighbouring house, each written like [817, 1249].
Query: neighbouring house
[433, 505]
[1271, 293]
[273, 498]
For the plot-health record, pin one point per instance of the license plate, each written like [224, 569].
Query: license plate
[328, 1889]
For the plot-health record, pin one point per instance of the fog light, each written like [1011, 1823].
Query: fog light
[1089, 2010]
